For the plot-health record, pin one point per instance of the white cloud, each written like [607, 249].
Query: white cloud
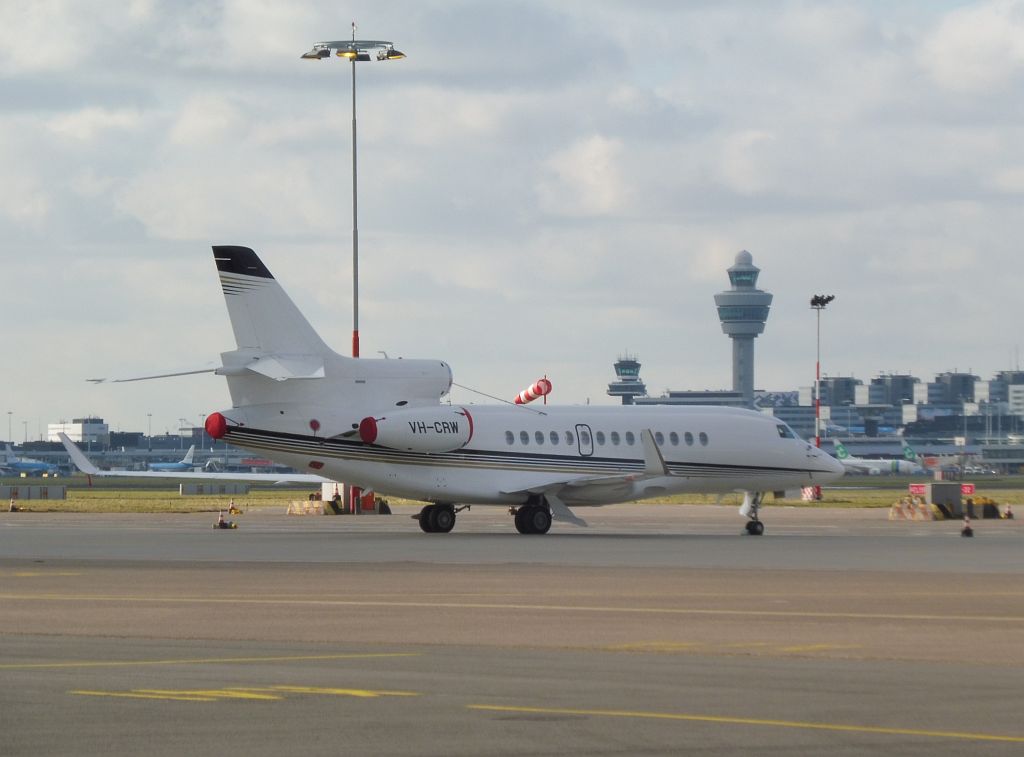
[204, 119]
[23, 201]
[585, 179]
[743, 161]
[87, 124]
[242, 196]
[978, 47]
[53, 35]
[1009, 180]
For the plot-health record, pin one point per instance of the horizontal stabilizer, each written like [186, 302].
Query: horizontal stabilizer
[147, 378]
[282, 368]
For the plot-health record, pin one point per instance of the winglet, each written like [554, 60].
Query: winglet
[77, 456]
[654, 462]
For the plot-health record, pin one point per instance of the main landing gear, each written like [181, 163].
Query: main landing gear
[532, 518]
[750, 508]
[437, 519]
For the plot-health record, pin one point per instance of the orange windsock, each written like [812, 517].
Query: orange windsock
[540, 388]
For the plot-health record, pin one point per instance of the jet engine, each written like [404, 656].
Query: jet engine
[428, 429]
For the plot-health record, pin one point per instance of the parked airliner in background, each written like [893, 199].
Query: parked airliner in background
[381, 424]
[184, 464]
[909, 454]
[878, 465]
[25, 465]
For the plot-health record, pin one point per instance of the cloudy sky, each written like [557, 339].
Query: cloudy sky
[543, 185]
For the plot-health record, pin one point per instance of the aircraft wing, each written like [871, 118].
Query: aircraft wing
[654, 467]
[85, 465]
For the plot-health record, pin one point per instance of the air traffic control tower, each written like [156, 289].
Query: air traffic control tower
[627, 384]
[743, 311]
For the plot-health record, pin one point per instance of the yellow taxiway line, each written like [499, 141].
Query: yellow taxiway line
[606, 609]
[254, 693]
[751, 721]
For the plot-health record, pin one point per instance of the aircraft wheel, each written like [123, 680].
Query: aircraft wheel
[539, 520]
[521, 524]
[426, 516]
[442, 519]
[755, 527]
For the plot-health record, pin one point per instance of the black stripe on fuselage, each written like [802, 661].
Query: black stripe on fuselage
[355, 451]
[241, 260]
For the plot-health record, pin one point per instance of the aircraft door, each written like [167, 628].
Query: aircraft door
[584, 440]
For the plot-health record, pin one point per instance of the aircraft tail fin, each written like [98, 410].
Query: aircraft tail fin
[187, 460]
[908, 452]
[8, 453]
[841, 451]
[263, 317]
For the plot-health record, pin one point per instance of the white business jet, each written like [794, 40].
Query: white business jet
[383, 425]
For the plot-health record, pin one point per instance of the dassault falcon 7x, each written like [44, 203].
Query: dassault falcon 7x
[382, 424]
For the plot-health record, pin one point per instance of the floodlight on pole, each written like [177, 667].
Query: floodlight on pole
[818, 303]
[355, 50]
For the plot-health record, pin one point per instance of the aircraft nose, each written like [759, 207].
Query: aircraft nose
[835, 468]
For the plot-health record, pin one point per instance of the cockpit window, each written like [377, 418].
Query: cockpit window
[785, 431]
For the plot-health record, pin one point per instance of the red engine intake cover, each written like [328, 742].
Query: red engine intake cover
[216, 425]
[368, 429]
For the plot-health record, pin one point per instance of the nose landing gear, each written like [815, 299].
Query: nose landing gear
[749, 509]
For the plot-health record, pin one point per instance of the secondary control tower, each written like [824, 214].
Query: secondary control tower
[627, 382]
[743, 311]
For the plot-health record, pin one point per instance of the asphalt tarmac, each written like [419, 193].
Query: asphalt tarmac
[659, 630]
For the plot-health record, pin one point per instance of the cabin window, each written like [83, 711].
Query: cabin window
[630, 438]
[585, 438]
[509, 438]
[689, 439]
[615, 438]
[569, 438]
[554, 437]
[599, 436]
[703, 439]
[539, 436]
[659, 438]
[674, 438]
[524, 437]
